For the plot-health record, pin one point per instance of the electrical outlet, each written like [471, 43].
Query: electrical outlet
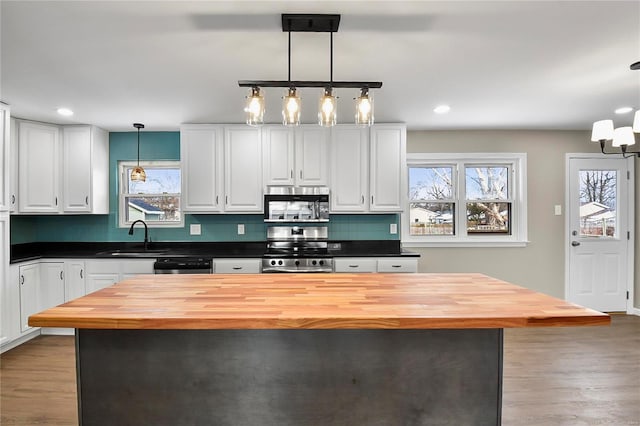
[195, 229]
[241, 229]
[558, 210]
[393, 228]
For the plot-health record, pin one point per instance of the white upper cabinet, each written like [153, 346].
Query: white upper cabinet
[13, 167]
[38, 169]
[349, 168]
[243, 169]
[5, 142]
[296, 156]
[201, 160]
[312, 153]
[387, 167]
[278, 155]
[85, 171]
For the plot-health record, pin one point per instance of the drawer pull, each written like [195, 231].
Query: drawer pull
[353, 266]
[237, 268]
[396, 266]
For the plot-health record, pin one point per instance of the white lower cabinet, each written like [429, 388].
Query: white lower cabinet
[355, 264]
[237, 266]
[375, 264]
[398, 264]
[74, 280]
[103, 273]
[29, 285]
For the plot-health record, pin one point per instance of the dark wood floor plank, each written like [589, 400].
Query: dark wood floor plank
[570, 376]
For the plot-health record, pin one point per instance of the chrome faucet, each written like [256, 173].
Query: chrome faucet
[146, 231]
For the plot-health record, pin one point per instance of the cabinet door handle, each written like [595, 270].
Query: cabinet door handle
[372, 199]
[363, 199]
[61, 275]
[291, 173]
[56, 201]
[237, 268]
[81, 274]
[21, 279]
[13, 199]
[226, 199]
[216, 199]
[86, 200]
[300, 173]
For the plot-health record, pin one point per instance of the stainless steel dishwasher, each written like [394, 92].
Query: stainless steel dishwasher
[182, 265]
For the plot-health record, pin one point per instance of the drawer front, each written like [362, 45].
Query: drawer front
[237, 266]
[397, 264]
[354, 264]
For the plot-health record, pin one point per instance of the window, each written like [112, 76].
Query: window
[157, 200]
[465, 199]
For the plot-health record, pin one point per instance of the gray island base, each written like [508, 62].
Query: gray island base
[289, 377]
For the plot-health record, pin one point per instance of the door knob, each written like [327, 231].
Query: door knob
[575, 243]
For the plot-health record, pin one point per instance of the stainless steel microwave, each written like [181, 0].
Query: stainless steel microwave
[296, 204]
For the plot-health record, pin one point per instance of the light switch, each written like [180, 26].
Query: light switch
[241, 229]
[195, 229]
[393, 228]
[558, 210]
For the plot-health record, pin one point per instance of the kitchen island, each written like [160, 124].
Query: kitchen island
[300, 349]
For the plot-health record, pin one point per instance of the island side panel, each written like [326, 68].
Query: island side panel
[290, 377]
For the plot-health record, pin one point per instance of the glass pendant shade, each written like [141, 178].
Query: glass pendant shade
[291, 107]
[602, 131]
[328, 109]
[255, 108]
[623, 136]
[364, 108]
[636, 122]
[138, 174]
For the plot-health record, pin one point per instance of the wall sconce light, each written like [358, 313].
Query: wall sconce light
[291, 107]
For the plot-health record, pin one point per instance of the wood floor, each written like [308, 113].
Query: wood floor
[569, 376]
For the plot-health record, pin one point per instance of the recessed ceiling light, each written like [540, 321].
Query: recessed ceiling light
[623, 110]
[65, 111]
[442, 109]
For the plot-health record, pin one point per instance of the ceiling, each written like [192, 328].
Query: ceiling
[499, 65]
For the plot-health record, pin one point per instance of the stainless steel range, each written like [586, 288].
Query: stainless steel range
[297, 249]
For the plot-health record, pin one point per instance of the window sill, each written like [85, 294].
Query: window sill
[465, 243]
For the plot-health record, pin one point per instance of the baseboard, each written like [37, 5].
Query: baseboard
[635, 311]
[20, 340]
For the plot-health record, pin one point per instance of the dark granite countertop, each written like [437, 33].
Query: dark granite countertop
[106, 250]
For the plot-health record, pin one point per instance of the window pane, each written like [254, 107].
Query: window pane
[159, 181]
[488, 218]
[598, 192]
[153, 209]
[487, 183]
[431, 219]
[430, 183]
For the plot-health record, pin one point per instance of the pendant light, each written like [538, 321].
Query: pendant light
[255, 108]
[364, 108]
[327, 110]
[138, 174]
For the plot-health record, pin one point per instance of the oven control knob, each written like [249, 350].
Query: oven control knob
[297, 263]
[273, 262]
[279, 262]
[314, 262]
[322, 262]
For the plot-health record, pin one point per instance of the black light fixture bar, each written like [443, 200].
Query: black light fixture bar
[313, 83]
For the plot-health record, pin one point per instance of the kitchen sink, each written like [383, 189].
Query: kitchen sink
[135, 253]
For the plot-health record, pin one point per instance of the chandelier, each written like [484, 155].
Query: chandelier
[620, 137]
[292, 106]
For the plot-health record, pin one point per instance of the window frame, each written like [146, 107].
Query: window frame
[123, 192]
[517, 196]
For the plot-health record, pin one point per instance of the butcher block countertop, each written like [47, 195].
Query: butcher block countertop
[315, 301]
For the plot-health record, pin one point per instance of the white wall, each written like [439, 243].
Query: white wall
[540, 265]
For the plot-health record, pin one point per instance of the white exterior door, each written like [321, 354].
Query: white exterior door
[599, 240]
